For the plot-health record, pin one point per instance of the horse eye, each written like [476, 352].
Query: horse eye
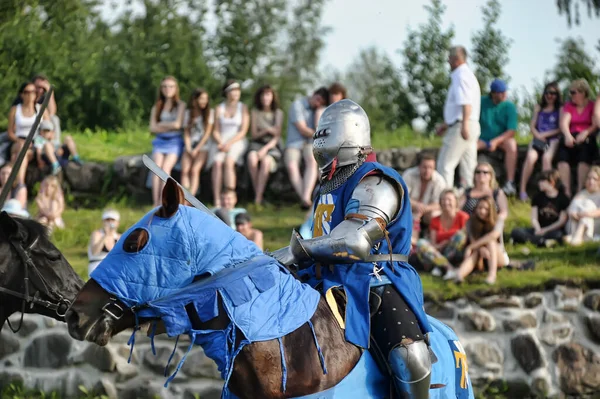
[135, 241]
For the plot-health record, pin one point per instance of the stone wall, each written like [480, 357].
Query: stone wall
[129, 176]
[544, 344]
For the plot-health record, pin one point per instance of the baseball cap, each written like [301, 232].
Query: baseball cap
[46, 125]
[498, 86]
[111, 214]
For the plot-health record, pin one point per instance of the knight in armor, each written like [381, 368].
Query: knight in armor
[361, 240]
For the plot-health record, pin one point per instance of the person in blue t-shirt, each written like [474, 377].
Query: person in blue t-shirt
[362, 228]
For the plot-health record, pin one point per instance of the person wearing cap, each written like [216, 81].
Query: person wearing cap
[461, 121]
[232, 120]
[243, 225]
[13, 208]
[498, 122]
[48, 153]
[104, 239]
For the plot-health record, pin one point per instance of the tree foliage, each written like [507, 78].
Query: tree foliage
[425, 53]
[572, 9]
[573, 62]
[490, 46]
[106, 73]
[376, 84]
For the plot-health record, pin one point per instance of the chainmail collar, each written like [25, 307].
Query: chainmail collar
[341, 175]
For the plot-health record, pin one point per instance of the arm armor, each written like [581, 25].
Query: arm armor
[374, 203]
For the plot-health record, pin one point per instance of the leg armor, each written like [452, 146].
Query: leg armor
[411, 365]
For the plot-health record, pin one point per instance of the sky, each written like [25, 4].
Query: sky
[533, 25]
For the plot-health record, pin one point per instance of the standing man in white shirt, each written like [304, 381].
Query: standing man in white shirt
[461, 121]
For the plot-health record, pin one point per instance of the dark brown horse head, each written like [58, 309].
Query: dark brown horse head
[26, 251]
[96, 315]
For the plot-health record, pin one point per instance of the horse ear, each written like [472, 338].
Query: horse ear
[8, 225]
[172, 197]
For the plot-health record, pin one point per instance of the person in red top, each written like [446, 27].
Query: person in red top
[578, 145]
[446, 236]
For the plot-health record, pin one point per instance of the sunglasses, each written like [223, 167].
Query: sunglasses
[485, 172]
[551, 93]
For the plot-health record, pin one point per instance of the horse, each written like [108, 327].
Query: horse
[188, 293]
[34, 275]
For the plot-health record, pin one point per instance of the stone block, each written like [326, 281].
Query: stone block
[499, 301]
[48, 351]
[551, 316]
[478, 320]
[534, 300]
[526, 349]
[579, 369]
[567, 299]
[9, 344]
[592, 322]
[440, 310]
[197, 364]
[556, 333]
[159, 362]
[485, 354]
[519, 320]
[592, 300]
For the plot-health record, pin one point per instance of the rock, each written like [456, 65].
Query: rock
[556, 334]
[551, 316]
[567, 299]
[8, 343]
[478, 320]
[48, 351]
[87, 178]
[29, 323]
[498, 301]
[204, 390]
[592, 300]
[440, 310]
[10, 376]
[533, 300]
[593, 324]
[485, 354]
[143, 388]
[106, 388]
[541, 382]
[527, 351]
[519, 321]
[100, 357]
[197, 364]
[579, 369]
[159, 362]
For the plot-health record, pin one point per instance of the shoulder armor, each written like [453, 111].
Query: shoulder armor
[378, 196]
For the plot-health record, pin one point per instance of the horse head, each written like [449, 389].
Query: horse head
[34, 275]
[168, 249]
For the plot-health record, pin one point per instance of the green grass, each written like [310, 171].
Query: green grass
[561, 263]
[103, 146]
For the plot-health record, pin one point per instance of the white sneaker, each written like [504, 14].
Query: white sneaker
[450, 275]
[436, 272]
[509, 189]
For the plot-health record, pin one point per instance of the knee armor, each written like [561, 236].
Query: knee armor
[411, 365]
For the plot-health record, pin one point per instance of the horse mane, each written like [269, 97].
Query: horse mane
[34, 228]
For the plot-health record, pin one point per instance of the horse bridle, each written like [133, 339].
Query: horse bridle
[60, 306]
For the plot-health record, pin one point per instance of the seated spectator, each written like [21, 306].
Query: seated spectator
[485, 185]
[545, 130]
[498, 122]
[197, 138]
[51, 203]
[265, 152]
[228, 203]
[14, 209]
[243, 225]
[578, 145]
[18, 191]
[446, 239]
[424, 185]
[49, 154]
[166, 122]
[231, 126]
[337, 92]
[548, 213]
[103, 240]
[483, 238]
[584, 211]
[21, 118]
[303, 117]
[42, 86]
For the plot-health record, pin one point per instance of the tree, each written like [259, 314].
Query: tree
[490, 46]
[376, 84]
[571, 8]
[573, 62]
[425, 54]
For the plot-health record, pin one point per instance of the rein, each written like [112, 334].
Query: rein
[60, 306]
